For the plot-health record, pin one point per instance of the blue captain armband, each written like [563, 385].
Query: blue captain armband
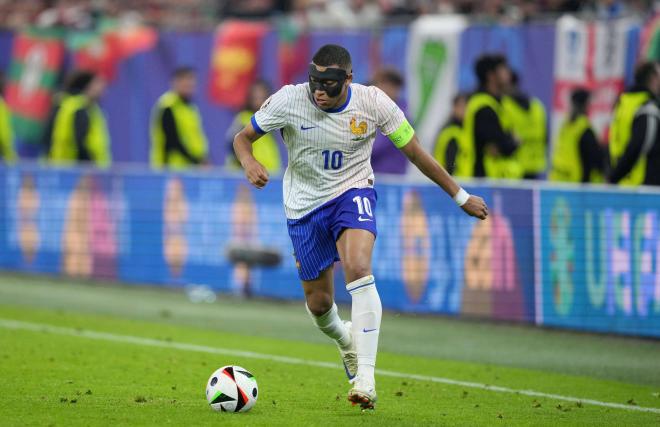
[403, 135]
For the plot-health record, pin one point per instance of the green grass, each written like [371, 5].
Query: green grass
[48, 378]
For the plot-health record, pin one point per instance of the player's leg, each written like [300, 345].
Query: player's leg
[355, 247]
[319, 299]
[315, 254]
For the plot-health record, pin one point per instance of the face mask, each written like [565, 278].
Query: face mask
[324, 80]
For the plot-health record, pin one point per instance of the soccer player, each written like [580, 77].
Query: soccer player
[329, 125]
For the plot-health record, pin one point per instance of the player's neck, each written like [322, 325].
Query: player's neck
[340, 101]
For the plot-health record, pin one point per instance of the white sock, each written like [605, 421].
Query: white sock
[366, 314]
[331, 325]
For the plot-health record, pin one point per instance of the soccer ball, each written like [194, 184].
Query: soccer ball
[232, 389]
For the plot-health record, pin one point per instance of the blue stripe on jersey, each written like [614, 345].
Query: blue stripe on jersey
[256, 126]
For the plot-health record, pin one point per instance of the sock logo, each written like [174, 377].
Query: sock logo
[365, 330]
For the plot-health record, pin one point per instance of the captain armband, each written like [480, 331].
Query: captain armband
[403, 135]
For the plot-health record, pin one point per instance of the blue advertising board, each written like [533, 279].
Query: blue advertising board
[138, 226]
[601, 260]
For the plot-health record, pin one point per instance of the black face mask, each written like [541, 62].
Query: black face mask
[318, 80]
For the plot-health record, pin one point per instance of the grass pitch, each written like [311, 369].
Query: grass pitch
[83, 354]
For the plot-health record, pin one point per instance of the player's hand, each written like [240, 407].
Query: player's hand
[256, 174]
[476, 206]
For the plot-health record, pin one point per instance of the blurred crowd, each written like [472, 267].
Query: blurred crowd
[496, 131]
[187, 15]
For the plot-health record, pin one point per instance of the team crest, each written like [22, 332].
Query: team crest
[359, 130]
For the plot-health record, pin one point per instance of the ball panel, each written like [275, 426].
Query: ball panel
[232, 388]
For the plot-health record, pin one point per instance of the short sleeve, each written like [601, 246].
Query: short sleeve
[273, 112]
[390, 117]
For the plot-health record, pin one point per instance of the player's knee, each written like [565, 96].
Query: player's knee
[356, 269]
[319, 303]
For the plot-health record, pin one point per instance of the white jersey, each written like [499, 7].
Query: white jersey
[329, 151]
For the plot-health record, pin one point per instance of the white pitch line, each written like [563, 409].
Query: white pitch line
[150, 342]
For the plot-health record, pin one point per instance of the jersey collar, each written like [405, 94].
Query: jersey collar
[337, 109]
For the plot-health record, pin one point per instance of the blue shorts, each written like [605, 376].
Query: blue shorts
[314, 236]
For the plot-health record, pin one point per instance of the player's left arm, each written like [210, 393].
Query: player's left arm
[472, 205]
[392, 122]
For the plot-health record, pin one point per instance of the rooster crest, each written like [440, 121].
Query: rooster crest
[360, 129]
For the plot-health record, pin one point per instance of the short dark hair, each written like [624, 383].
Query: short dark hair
[332, 54]
[580, 97]
[78, 81]
[644, 71]
[486, 64]
[389, 75]
[183, 71]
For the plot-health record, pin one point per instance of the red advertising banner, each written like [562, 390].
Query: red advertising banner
[37, 58]
[589, 55]
[234, 61]
[102, 50]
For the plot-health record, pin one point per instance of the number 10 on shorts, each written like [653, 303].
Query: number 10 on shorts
[363, 206]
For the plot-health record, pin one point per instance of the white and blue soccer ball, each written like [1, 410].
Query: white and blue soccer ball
[232, 389]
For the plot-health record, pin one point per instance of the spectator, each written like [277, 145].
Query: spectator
[177, 135]
[449, 139]
[343, 14]
[386, 158]
[529, 122]
[79, 132]
[577, 155]
[634, 146]
[7, 152]
[490, 150]
[265, 149]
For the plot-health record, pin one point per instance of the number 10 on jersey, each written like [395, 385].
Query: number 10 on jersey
[332, 160]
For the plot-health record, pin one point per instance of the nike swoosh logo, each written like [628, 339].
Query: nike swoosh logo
[302, 127]
[365, 330]
[364, 219]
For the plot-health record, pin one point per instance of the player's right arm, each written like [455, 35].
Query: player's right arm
[272, 115]
[254, 171]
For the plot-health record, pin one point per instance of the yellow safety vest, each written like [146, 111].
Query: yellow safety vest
[189, 129]
[7, 152]
[63, 147]
[495, 166]
[566, 160]
[620, 132]
[530, 127]
[450, 132]
[264, 149]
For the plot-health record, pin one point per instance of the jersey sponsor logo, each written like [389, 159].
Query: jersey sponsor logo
[266, 103]
[359, 130]
[303, 127]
